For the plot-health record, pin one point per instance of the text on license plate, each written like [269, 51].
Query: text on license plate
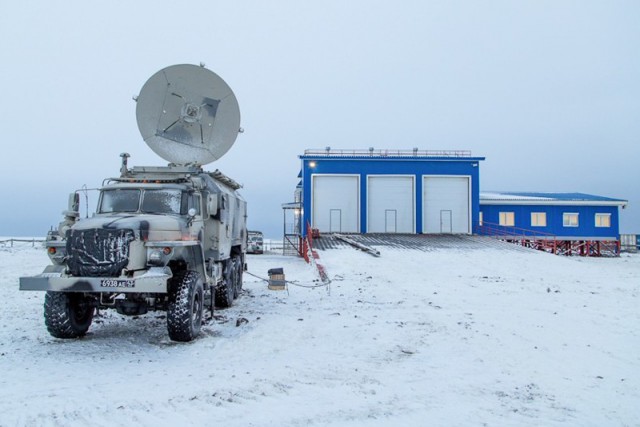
[117, 283]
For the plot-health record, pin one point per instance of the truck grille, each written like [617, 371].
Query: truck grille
[98, 252]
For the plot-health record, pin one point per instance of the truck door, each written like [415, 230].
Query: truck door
[197, 224]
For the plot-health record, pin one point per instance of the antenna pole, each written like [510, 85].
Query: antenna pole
[123, 168]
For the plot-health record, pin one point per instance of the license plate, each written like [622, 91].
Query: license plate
[117, 283]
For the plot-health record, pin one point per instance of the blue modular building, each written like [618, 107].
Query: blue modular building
[389, 191]
[436, 192]
[562, 216]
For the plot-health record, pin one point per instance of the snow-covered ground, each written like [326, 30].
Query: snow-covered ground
[450, 337]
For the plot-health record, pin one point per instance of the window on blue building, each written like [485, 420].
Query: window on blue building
[603, 220]
[570, 219]
[507, 219]
[538, 219]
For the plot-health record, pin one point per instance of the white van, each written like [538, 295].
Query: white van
[255, 242]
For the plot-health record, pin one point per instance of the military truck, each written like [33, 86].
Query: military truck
[167, 238]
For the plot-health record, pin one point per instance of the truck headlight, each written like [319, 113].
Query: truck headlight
[155, 257]
[158, 256]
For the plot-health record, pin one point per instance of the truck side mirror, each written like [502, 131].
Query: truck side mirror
[212, 204]
[73, 208]
[74, 202]
[71, 215]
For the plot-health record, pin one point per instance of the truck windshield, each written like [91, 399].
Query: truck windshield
[162, 201]
[119, 200]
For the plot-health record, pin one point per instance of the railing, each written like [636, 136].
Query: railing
[533, 239]
[508, 231]
[307, 245]
[11, 241]
[269, 245]
[329, 152]
[548, 242]
[630, 242]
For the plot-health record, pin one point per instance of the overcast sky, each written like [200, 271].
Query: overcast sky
[547, 91]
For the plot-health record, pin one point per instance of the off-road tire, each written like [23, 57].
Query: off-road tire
[186, 301]
[237, 288]
[67, 315]
[225, 291]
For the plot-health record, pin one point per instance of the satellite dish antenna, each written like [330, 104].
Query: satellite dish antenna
[188, 115]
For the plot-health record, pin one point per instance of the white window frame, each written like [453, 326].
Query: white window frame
[602, 216]
[538, 216]
[503, 219]
[566, 219]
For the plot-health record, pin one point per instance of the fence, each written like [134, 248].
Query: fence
[328, 152]
[11, 242]
[630, 242]
[269, 245]
[511, 232]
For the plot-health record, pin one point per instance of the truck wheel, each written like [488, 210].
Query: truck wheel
[67, 315]
[184, 314]
[225, 291]
[238, 282]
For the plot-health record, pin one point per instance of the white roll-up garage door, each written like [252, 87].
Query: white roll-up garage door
[390, 204]
[336, 203]
[446, 204]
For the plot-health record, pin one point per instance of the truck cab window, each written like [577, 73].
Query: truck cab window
[162, 201]
[119, 200]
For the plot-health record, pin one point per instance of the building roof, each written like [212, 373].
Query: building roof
[529, 198]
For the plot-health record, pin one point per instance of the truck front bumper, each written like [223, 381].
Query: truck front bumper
[154, 280]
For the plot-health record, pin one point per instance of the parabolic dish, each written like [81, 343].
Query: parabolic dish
[188, 115]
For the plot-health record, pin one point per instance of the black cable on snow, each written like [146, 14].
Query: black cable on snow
[294, 283]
